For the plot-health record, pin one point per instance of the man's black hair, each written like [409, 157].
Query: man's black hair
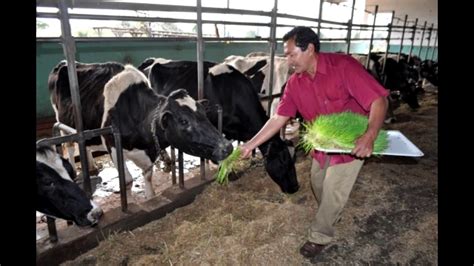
[303, 36]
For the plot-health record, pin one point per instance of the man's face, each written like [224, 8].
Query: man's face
[298, 60]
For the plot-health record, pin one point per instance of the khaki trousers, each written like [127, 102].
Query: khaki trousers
[331, 188]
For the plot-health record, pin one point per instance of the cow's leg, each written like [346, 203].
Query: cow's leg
[128, 176]
[70, 149]
[147, 175]
[93, 169]
[141, 159]
[166, 159]
[147, 170]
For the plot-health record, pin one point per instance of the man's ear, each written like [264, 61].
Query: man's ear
[311, 47]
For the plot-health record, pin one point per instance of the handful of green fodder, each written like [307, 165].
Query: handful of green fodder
[338, 131]
[226, 166]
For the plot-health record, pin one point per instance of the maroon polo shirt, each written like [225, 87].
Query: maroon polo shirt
[341, 84]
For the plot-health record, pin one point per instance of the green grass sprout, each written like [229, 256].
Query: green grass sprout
[226, 166]
[338, 131]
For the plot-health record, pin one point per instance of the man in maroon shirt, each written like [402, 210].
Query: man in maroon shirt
[326, 83]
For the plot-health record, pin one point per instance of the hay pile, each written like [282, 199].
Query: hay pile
[247, 222]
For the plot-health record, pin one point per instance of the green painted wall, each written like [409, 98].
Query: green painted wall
[48, 54]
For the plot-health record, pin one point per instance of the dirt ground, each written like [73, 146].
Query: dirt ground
[391, 216]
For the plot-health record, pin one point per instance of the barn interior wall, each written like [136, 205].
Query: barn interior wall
[48, 54]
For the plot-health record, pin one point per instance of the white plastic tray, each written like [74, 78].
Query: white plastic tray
[398, 145]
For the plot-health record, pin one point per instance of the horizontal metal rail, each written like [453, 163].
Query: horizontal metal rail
[124, 5]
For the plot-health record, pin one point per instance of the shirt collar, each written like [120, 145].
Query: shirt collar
[321, 67]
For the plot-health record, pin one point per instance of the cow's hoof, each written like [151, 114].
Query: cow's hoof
[149, 194]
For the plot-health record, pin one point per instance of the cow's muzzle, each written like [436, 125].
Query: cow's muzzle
[223, 149]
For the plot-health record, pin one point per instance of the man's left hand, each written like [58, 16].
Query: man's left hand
[364, 146]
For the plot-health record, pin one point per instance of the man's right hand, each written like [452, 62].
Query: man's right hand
[271, 127]
[246, 150]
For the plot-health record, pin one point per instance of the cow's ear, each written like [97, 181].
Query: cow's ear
[165, 119]
[178, 94]
[204, 102]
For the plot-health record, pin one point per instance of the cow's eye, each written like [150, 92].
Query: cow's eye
[183, 122]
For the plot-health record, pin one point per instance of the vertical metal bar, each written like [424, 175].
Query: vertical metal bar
[200, 80]
[180, 169]
[434, 45]
[203, 168]
[219, 118]
[388, 48]
[320, 17]
[429, 41]
[421, 41]
[272, 57]
[69, 49]
[120, 167]
[225, 34]
[199, 50]
[412, 39]
[349, 28]
[173, 166]
[371, 37]
[53, 233]
[403, 36]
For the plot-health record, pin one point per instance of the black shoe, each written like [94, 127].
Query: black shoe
[310, 249]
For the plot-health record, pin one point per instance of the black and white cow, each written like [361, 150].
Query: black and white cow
[400, 76]
[57, 194]
[92, 79]
[374, 67]
[429, 73]
[148, 122]
[256, 67]
[243, 115]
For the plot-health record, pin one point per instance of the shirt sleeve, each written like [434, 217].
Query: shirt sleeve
[362, 86]
[287, 106]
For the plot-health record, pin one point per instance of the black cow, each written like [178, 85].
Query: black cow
[243, 115]
[57, 194]
[148, 122]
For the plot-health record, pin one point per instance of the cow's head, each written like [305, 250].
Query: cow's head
[187, 128]
[57, 194]
[280, 165]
